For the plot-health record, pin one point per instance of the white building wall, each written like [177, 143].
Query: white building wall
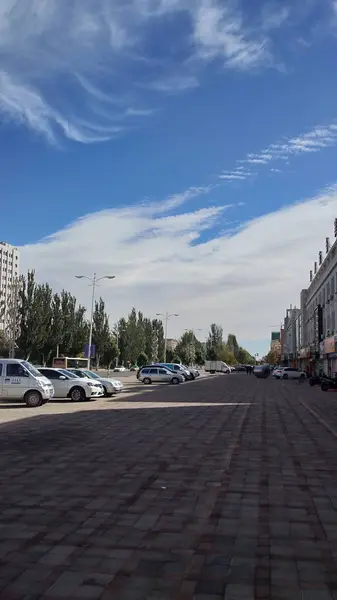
[9, 271]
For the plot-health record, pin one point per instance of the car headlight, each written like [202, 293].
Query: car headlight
[91, 385]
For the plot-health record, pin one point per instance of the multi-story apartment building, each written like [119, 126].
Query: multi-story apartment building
[9, 271]
[291, 336]
[319, 312]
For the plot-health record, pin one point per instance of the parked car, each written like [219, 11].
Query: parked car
[110, 386]
[277, 372]
[67, 385]
[177, 368]
[120, 369]
[156, 374]
[21, 382]
[290, 373]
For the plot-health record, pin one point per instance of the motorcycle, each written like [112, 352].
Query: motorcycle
[328, 383]
[315, 380]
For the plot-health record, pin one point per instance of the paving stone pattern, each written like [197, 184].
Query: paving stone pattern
[221, 489]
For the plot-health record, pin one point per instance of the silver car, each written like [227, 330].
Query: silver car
[159, 374]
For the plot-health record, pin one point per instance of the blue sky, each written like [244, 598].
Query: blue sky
[184, 132]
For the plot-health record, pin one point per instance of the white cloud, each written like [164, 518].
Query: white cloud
[84, 50]
[319, 138]
[244, 280]
[219, 32]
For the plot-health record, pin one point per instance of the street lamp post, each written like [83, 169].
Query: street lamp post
[94, 280]
[166, 316]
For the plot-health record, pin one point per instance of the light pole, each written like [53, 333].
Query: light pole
[94, 280]
[166, 316]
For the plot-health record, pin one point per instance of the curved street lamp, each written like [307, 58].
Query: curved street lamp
[94, 280]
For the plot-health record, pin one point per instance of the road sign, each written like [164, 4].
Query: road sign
[92, 354]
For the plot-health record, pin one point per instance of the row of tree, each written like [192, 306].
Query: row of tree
[230, 352]
[41, 324]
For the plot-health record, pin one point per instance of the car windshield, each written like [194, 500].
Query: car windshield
[69, 374]
[91, 375]
[31, 369]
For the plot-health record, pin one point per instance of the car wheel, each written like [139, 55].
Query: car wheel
[285, 376]
[77, 394]
[192, 376]
[175, 380]
[33, 399]
[106, 393]
[324, 387]
[147, 381]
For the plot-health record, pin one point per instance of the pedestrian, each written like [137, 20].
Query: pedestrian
[247, 369]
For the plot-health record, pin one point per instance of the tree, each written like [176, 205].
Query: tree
[273, 357]
[226, 356]
[100, 332]
[232, 345]
[158, 340]
[110, 353]
[244, 358]
[142, 359]
[4, 345]
[214, 342]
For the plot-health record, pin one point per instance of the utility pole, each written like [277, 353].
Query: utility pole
[167, 317]
[94, 280]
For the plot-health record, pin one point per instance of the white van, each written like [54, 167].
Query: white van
[21, 382]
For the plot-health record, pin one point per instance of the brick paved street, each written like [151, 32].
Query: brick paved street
[221, 489]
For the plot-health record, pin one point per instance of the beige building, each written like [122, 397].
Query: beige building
[9, 271]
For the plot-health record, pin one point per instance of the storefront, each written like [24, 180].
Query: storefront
[304, 358]
[330, 356]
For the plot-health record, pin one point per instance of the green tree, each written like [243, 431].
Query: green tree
[226, 356]
[110, 353]
[142, 359]
[4, 345]
[232, 345]
[123, 342]
[100, 332]
[158, 339]
[214, 342]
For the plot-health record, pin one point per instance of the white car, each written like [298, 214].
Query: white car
[290, 373]
[68, 385]
[277, 372]
[119, 369]
[110, 386]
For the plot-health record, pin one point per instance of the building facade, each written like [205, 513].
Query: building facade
[9, 272]
[319, 314]
[290, 341]
[310, 333]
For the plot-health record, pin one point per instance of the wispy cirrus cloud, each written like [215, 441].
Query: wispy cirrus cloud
[83, 69]
[315, 140]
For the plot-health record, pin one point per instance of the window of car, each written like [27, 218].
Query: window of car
[162, 371]
[145, 371]
[153, 371]
[0, 370]
[50, 374]
[16, 370]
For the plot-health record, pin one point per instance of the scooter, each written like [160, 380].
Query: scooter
[315, 380]
[328, 383]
